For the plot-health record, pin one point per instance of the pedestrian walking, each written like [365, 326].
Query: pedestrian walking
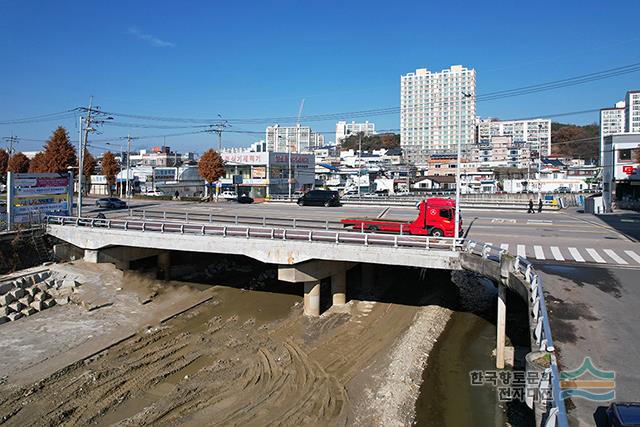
[540, 206]
[530, 206]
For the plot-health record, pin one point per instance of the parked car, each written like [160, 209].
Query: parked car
[562, 190]
[228, 195]
[320, 198]
[110, 203]
[244, 199]
[154, 193]
[623, 414]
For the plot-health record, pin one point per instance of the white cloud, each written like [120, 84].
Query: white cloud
[153, 41]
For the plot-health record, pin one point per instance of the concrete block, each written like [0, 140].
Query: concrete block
[26, 300]
[43, 287]
[6, 287]
[22, 282]
[15, 316]
[40, 296]
[17, 293]
[33, 290]
[41, 277]
[48, 303]
[4, 319]
[28, 311]
[37, 305]
[16, 306]
[7, 299]
[69, 283]
[62, 300]
[4, 310]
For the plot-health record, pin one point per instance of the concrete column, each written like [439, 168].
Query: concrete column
[501, 325]
[164, 264]
[339, 288]
[312, 298]
[91, 255]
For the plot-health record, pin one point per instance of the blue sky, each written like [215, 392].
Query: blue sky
[259, 59]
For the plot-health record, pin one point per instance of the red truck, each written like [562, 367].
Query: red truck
[436, 217]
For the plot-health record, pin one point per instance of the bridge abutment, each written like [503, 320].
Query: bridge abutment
[312, 298]
[339, 288]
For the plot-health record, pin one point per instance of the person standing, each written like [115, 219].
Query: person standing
[540, 206]
[530, 206]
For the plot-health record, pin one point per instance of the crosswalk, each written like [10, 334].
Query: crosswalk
[573, 254]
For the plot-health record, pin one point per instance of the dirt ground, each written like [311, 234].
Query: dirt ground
[247, 357]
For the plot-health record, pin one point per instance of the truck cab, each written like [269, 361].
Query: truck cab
[436, 217]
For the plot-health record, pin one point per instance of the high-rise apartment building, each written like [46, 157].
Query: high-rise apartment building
[297, 139]
[437, 111]
[612, 121]
[536, 134]
[343, 129]
[632, 111]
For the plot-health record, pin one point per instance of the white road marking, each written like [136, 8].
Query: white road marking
[504, 246]
[633, 255]
[596, 256]
[556, 253]
[521, 251]
[539, 221]
[539, 252]
[615, 256]
[576, 255]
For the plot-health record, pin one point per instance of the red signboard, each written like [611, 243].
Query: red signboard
[627, 169]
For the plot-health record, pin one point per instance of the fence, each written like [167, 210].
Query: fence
[541, 337]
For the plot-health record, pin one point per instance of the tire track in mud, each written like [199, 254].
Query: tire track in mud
[237, 374]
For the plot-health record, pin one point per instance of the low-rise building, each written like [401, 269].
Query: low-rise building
[536, 134]
[620, 172]
[501, 151]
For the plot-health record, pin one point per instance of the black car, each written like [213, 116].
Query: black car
[244, 199]
[110, 203]
[320, 198]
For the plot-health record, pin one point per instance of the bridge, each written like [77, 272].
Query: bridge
[308, 255]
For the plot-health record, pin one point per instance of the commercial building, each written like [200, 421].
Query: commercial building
[632, 111]
[343, 129]
[611, 121]
[536, 134]
[621, 172]
[297, 139]
[437, 111]
[261, 174]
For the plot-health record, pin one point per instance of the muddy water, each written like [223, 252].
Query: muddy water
[446, 396]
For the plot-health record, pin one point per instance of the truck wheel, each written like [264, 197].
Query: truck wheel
[373, 228]
[327, 204]
[301, 203]
[436, 232]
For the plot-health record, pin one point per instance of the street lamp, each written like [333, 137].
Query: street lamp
[457, 216]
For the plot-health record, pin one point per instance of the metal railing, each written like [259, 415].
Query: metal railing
[191, 216]
[272, 233]
[540, 325]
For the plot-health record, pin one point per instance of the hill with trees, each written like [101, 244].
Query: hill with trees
[371, 142]
[576, 141]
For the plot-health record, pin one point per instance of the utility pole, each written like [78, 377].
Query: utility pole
[11, 141]
[81, 162]
[359, 162]
[128, 191]
[459, 164]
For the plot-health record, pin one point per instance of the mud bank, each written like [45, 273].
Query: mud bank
[249, 357]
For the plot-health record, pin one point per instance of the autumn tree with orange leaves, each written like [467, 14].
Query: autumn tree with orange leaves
[4, 162]
[211, 167]
[59, 154]
[110, 169]
[18, 163]
[38, 163]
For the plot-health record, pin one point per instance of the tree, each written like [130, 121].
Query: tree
[4, 162]
[18, 163]
[575, 141]
[371, 142]
[38, 163]
[110, 169]
[211, 166]
[58, 151]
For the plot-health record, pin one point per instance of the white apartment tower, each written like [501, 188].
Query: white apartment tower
[632, 111]
[297, 139]
[612, 120]
[343, 129]
[437, 110]
[536, 134]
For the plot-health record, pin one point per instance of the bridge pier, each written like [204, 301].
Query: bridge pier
[501, 322]
[312, 298]
[164, 265]
[339, 288]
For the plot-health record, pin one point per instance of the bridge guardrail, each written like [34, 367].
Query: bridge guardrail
[541, 331]
[327, 236]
